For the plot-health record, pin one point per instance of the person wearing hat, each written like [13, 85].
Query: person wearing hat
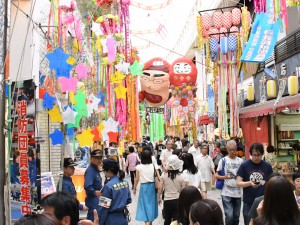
[172, 181]
[67, 183]
[93, 183]
[115, 195]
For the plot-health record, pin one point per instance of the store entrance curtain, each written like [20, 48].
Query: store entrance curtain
[254, 135]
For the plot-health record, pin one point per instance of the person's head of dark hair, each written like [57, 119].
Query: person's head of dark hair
[188, 163]
[187, 197]
[30, 153]
[270, 149]
[146, 157]
[218, 144]
[113, 166]
[37, 219]
[296, 175]
[148, 138]
[275, 174]
[256, 147]
[184, 142]
[177, 139]
[136, 143]
[177, 152]
[146, 147]
[206, 212]
[131, 149]
[296, 147]
[279, 204]
[65, 206]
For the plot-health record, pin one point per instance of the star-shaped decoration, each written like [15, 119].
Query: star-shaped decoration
[55, 115]
[120, 91]
[80, 105]
[96, 28]
[68, 84]
[48, 101]
[110, 125]
[117, 77]
[123, 67]
[101, 96]
[93, 103]
[97, 134]
[113, 136]
[58, 62]
[70, 132]
[136, 68]
[85, 138]
[69, 116]
[57, 137]
[81, 71]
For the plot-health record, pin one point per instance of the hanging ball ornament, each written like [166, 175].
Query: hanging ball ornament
[183, 102]
[188, 88]
[176, 88]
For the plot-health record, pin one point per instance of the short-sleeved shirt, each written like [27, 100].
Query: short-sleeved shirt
[256, 173]
[146, 172]
[192, 179]
[195, 152]
[231, 167]
[165, 154]
[131, 161]
[253, 211]
[204, 165]
[172, 187]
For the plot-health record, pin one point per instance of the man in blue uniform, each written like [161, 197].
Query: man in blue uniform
[67, 183]
[115, 195]
[93, 183]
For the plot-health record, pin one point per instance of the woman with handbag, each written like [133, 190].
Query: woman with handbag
[146, 174]
[172, 181]
[131, 163]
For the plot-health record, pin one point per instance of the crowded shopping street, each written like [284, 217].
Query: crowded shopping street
[155, 112]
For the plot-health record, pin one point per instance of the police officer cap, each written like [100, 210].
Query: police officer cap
[110, 164]
[97, 153]
[69, 162]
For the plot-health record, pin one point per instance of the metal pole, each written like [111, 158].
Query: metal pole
[3, 33]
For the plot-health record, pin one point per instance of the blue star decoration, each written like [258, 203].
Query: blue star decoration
[48, 101]
[57, 137]
[70, 132]
[58, 62]
[101, 96]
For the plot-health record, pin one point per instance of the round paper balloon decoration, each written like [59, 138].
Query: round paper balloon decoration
[218, 19]
[223, 32]
[214, 33]
[206, 20]
[227, 19]
[234, 30]
[155, 89]
[236, 16]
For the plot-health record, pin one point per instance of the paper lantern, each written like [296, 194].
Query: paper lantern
[214, 33]
[214, 49]
[250, 93]
[224, 45]
[232, 43]
[218, 19]
[223, 32]
[234, 29]
[227, 19]
[293, 85]
[206, 20]
[271, 89]
[236, 16]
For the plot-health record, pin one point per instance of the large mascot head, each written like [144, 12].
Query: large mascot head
[155, 82]
[183, 72]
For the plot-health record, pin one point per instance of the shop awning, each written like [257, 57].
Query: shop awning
[291, 102]
[204, 120]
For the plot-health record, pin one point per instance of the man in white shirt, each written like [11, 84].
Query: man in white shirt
[231, 194]
[195, 150]
[165, 154]
[206, 166]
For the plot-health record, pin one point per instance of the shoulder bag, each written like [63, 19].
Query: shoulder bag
[220, 183]
[156, 178]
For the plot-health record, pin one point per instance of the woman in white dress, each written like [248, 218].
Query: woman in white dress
[190, 171]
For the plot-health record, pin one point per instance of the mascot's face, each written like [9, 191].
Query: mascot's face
[183, 71]
[154, 81]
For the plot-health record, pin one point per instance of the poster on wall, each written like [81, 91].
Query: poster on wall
[47, 184]
[25, 162]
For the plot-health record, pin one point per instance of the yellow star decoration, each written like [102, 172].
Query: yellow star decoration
[120, 91]
[71, 60]
[100, 127]
[117, 77]
[85, 138]
[55, 115]
[72, 97]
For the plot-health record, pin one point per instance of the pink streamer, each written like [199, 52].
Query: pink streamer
[111, 49]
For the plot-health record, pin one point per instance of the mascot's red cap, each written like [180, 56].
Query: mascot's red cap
[157, 64]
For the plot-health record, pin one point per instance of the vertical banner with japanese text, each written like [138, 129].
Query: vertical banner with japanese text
[24, 150]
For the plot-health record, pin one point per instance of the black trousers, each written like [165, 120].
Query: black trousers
[170, 211]
[132, 176]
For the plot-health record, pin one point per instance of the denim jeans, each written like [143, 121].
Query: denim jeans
[232, 210]
[246, 210]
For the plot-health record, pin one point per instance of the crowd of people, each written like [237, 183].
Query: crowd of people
[177, 176]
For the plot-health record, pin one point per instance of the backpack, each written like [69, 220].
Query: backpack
[217, 158]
